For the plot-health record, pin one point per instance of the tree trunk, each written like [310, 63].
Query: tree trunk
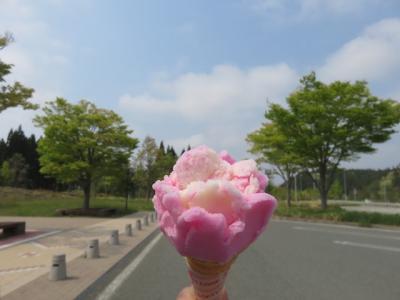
[127, 200]
[289, 191]
[86, 191]
[324, 199]
[323, 187]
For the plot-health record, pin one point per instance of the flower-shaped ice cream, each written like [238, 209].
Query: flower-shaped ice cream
[211, 207]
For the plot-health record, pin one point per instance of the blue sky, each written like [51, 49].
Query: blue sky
[199, 72]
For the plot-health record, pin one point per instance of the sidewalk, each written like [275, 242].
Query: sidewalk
[24, 267]
[391, 210]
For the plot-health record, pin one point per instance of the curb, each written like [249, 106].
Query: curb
[101, 283]
[322, 221]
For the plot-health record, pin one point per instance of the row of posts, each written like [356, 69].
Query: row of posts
[58, 269]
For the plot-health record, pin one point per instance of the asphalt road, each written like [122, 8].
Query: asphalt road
[291, 260]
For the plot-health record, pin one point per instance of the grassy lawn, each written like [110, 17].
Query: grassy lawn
[335, 213]
[21, 202]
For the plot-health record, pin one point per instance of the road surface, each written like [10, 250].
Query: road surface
[291, 260]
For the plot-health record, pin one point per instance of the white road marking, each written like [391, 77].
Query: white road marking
[370, 246]
[119, 280]
[39, 245]
[343, 226]
[20, 269]
[28, 254]
[385, 237]
[29, 239]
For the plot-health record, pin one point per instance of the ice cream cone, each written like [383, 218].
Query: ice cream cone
[208, 278]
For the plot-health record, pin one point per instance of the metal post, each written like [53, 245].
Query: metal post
[295, 188]
[384, 193]
[301, 182]
[344, 185]
[146, 220]
[58, 268]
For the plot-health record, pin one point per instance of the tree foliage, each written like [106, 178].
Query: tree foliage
[330, 123]
[82, 143]
[274, 148]
[17, 170]
[12, 95]
[150, 164]
[18, 143]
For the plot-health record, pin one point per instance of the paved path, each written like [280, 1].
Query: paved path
[372, 209]
[292, 260]
[54, 223]
[28, 260]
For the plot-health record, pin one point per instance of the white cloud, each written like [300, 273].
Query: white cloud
[146, 103]
[14, 117]
[225, 90]
[182, 143]
[23, 66]
[386, 155]
[305, 10]
[267, 5]
[35, 54]
[314, 7]
[395, 95]
[220, 107]
[374, 55]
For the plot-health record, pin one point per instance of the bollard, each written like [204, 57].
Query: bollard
[128, 229]
[139, 224]
[146, 220]
[58, 268]
[152, 219]
[114, 237]
[92, 250]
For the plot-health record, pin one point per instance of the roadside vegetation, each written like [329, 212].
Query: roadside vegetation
[312, 211]
[322, 126]
[88, 159]
[23, 202]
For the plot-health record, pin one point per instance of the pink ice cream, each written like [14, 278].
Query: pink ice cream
[211, 207]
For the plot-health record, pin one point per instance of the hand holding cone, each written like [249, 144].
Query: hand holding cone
[211, 208]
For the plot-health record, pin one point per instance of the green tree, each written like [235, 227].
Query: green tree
[335, 191]
[165, 161]
[18, 170]
[15, 94]
[5, 173]
[331, 123]
[274, 148]
[82, 143]
[145, 170]
[3, 151]
[384, 186]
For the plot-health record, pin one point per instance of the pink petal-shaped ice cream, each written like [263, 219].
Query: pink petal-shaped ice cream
[211, 207]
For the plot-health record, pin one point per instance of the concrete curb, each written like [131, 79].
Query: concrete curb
[82, 272]
[321, 221]
[97, 287]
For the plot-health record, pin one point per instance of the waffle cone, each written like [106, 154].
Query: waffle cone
[208, 278]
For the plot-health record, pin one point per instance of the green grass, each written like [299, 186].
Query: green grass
[21, 202]
[337, 214]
